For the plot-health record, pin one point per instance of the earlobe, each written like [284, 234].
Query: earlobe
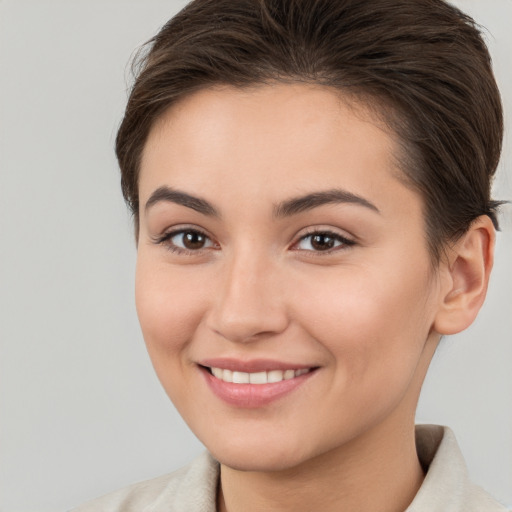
[466, 277]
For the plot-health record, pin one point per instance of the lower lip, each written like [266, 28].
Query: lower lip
[252, 396]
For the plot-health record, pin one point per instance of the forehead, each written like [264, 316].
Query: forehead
[269, 142]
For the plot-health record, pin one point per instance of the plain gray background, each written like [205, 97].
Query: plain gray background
[81, 411]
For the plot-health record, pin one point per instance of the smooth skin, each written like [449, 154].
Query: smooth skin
[244, 278]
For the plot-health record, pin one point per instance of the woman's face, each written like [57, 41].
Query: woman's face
[278, 246]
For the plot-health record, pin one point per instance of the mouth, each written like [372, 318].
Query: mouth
[259, 378]
[254, 384]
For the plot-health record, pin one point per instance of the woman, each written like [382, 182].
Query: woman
[310, 183]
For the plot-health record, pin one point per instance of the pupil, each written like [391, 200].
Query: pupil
[322, 242]
[192, 240]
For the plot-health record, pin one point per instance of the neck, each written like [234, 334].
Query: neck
[370, 473]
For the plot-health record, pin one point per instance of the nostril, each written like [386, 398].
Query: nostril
[247, 324]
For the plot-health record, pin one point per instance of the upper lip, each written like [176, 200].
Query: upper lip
[253, 365]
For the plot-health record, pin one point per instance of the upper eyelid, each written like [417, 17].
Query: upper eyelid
[328, 231]
[164, 240]
[346, 244]
[176, 230]
[171, 232]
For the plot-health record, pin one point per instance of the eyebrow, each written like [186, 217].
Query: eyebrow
[170, 195]
[308, 202]
[284, 209]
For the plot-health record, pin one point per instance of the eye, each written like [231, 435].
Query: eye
[322, 241]
[186, 241]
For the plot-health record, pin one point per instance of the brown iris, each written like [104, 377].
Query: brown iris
[322, 242]
[193, 240]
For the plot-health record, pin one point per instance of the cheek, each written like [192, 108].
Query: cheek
[169, 308]
[373, 324]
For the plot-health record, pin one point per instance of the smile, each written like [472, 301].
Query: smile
[263, 377]
[262, 382]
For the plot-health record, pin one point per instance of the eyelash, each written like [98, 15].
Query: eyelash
[345, 243]
[166, 237]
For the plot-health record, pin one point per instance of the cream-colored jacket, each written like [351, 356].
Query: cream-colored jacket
[446, 487]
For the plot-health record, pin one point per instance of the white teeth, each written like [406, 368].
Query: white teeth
[258, 378]
[218, 372]
[275, 376]
[240, 378]
[269, 377]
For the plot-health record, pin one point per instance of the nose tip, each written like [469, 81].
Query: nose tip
[240, 330]
[249, 306]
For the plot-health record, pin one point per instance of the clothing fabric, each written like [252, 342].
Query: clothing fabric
[446, 487]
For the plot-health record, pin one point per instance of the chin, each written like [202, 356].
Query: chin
[264, 455]
[265, 461]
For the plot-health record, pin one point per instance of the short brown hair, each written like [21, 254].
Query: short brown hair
[421, 63]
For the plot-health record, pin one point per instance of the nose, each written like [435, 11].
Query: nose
[249, 305]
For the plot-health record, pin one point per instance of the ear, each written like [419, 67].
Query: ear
[465, 277]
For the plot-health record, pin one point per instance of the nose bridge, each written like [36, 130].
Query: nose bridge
[249, 302]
